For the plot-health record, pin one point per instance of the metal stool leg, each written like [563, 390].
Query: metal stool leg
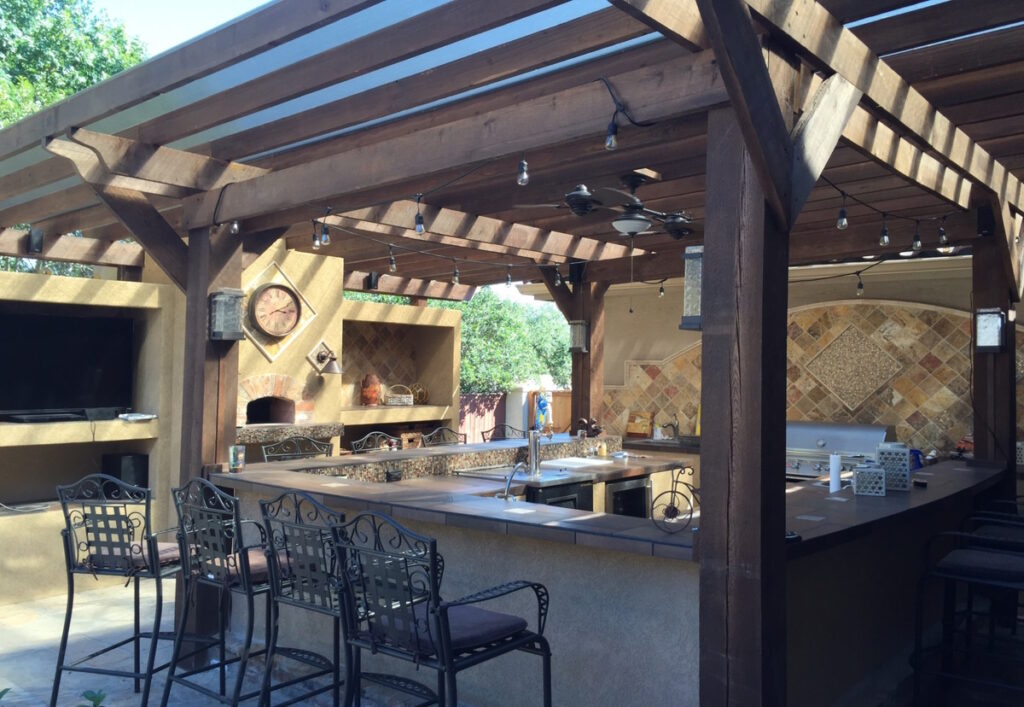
[63, 640]
[178, 635]
[137, 640]
[151, 661]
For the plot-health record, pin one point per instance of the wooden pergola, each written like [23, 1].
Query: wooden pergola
[759, 119]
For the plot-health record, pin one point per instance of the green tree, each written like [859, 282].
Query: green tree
[505, 343]
[50, 49]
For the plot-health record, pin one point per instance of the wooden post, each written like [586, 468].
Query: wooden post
[994, 380]
[588, 368]
[742, 529]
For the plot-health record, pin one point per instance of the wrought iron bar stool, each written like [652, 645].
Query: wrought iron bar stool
[443, 436]
[296, 448]
[503, 431]
[989, 559]
[217, 555]
[304, 574]
[107, 531]
[392, 582]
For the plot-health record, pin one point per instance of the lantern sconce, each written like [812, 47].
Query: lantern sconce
[225, 314]
[692, 275]
[579, 336]
[323, 359]
[989, 330]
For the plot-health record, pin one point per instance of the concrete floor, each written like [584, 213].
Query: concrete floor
[31, 637]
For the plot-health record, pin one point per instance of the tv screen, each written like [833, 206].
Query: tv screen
[65, 363]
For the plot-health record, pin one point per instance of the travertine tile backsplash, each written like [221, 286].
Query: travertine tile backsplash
[865, 362]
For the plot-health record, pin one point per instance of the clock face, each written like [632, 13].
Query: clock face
[274, 309]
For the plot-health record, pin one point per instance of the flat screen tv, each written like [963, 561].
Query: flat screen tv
[61, 367]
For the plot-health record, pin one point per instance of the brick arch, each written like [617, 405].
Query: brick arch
[275, 385]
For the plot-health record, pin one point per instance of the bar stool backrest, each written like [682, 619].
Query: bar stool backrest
[373, 441]
[392, 582]
[210, 531]
[106, 526]
[503, 431]
[443, 436]
[303, 567]
[296, 448]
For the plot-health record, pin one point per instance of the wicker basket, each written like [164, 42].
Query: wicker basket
[419, 394]
[398, 394]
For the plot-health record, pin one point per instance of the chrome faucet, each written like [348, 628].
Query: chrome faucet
[520, 466]
[533, 450]
[674, 425]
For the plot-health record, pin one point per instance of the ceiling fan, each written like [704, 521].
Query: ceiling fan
[634, 218]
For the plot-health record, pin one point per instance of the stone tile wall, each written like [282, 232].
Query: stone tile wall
[382, 349]
[863, 362]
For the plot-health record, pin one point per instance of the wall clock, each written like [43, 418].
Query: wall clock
[275, 309]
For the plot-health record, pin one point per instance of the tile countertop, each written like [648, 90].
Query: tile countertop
[469, 502]
[822, 519]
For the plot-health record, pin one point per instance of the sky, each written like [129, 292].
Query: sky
[162, 25]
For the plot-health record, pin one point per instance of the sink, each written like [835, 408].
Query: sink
[502, 472]
[667, 445]
[573, 463]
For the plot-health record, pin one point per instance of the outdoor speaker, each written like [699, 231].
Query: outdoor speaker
[130, 468]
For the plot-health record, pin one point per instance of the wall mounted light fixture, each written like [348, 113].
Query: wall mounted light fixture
[693, 274]
[323, 360]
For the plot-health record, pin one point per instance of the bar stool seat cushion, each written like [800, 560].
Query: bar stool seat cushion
[983, 565]
[1009, 537]
[470, 626]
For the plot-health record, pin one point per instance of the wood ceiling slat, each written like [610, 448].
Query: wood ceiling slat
[985, 83]
[435, 28]
[1006, 126]
[936, 23]
[34, 210]
[268, 27]
[986, 109]
[851, 10]
[959, 56]
[586, 34]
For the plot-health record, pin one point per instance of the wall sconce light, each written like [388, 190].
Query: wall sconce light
[693, 258]
[579, 336]
[989, 330]
[324, 360]
[35, 241]
[225, 315]
[371, 280]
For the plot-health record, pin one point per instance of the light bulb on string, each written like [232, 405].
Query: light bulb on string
[523, 178]
[508, 277]
[661, 290]
[860, 286]
[943, 238]
[842, 222]
[392, 265]
[558, 278]
[883, 240]
[316, 238]
[325, 234]
[419, 216]
[611, 139]
[455, 274]
[916, 243]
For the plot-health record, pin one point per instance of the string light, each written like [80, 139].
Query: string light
[943, 239]
[860, 286]
[883, 240]
[558, 278]
[419, 216]
[916, 244]
[392, 265]
[611, 138]
[523, 178]
[455, 274]
[235, 228]
[316, 238]
[661, 291]
[325, 232]
[508, 276]
[842, 222]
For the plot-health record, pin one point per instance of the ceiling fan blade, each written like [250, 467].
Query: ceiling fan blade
[539, 206]
[607, 196]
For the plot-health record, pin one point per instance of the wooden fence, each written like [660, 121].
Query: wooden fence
[479, 412]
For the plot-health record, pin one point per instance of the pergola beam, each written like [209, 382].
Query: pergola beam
[93, 171]
[163, 165]
[531, 240]
[70, 249]
[272, 25]
[740, 56]
[688, 84]
[358, 281]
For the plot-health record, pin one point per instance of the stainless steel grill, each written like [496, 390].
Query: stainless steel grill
[808, 445]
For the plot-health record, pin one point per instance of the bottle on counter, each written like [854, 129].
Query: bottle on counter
[602, 450]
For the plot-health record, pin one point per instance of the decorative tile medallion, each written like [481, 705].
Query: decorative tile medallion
[852, 367]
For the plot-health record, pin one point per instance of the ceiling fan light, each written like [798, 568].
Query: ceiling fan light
[631, 223]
